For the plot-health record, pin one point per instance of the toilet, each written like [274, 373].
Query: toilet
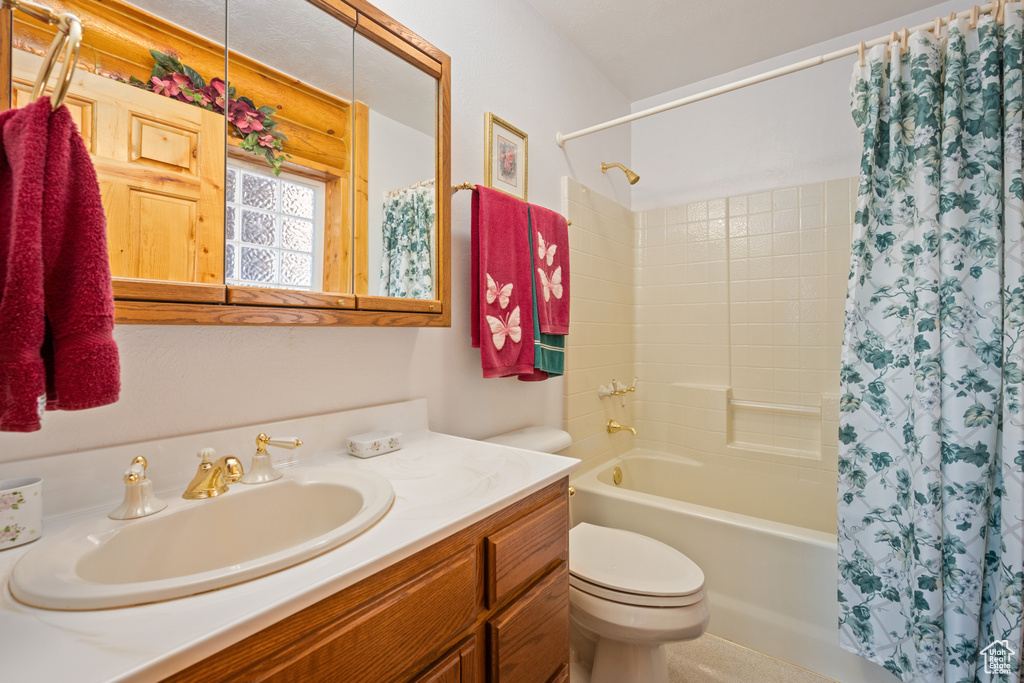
[629, 595]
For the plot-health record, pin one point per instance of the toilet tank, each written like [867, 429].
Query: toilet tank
[538, 438]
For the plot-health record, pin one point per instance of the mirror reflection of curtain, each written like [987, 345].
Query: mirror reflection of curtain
[406, 268]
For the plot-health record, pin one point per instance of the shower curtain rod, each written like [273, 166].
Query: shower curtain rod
[561, 139]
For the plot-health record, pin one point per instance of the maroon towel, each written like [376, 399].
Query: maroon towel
[501, 319]
[56, 304]
[23, 134]
[551, 242]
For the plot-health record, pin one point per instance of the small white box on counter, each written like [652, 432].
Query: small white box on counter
[374, 443]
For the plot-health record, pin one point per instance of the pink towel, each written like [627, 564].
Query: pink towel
[501, 319]
[57, 349]
[551, 242]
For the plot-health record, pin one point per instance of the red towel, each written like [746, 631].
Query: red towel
[56, 304]
[551, 242]
[501, 319]
[23, 134]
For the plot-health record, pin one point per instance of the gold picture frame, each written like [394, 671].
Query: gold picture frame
[507, 158]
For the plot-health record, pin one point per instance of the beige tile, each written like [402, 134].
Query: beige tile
[737, 206]
[717, 209]
[837, 190]
[788, 198]
[759, 202]
[759, 224]
[737, 226]
[697, 211]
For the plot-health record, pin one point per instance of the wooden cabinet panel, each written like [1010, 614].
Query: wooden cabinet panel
[518, 552]
[455, 667]
[529, 641]
[175, 147]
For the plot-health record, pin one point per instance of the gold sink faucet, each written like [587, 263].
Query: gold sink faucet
[212, 478]
[614, 426]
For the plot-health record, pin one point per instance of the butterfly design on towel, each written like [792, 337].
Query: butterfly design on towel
[509, 327]
[545, 252]
[552, 285]
[501, 294]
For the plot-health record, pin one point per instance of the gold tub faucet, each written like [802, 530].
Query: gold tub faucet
[614, 426]
[212, 478]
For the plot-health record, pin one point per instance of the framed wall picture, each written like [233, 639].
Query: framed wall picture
[507, 160]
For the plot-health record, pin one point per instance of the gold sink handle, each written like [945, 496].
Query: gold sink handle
[262, 469]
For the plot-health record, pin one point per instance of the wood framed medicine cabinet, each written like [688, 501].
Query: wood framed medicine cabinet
[165, 166]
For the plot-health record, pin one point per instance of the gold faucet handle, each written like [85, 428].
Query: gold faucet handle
[136, 472]
[289, 442]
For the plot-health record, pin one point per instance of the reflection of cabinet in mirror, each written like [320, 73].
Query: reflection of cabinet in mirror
[178, 244]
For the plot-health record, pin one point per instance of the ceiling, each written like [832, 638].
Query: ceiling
[647, 47]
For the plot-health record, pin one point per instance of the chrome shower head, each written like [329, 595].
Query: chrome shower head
[630, 176]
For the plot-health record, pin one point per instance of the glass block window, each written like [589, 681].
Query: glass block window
[273, 229]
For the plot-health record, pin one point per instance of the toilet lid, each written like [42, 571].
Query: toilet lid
[630, 563]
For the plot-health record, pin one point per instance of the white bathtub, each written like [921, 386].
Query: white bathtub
[771, 586]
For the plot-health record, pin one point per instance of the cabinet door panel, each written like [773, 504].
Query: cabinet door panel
[529, 640]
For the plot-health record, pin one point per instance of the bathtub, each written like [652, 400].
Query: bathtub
[771, 586]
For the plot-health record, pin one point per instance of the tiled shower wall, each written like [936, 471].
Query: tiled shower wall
[601, 343]
[738, 309]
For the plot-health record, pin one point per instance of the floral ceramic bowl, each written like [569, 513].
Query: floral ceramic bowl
[21, 511]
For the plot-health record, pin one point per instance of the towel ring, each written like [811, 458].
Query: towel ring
[69, 44]
[67, 41]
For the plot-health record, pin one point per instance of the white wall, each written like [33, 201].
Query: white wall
[789, 131]
[505, 58]
[399, 157]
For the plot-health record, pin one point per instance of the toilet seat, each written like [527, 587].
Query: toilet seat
[631, 569]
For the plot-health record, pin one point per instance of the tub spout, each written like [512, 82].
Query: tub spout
[614, 426]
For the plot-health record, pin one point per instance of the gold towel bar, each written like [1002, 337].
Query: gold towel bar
[471, 186]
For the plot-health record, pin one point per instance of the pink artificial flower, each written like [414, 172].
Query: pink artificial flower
[267, 140]
[165, 86]
[184, 83]
[214, 94]
[245, 118]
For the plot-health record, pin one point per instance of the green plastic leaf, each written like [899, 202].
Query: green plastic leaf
[194, 76]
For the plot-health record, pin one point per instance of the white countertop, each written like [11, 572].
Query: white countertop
[442, 484]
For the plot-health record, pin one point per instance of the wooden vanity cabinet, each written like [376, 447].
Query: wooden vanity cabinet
[488, 603]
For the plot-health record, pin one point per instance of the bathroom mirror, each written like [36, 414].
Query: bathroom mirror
[249, 184]
[396, 105]
[290, 156]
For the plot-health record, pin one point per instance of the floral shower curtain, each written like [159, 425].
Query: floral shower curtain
[407, 264]
[931, 492]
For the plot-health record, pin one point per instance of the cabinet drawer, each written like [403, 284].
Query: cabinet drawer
[407, 625]
[529, 641]
[525, 547]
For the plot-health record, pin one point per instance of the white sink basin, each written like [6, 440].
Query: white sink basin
[196, 546]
